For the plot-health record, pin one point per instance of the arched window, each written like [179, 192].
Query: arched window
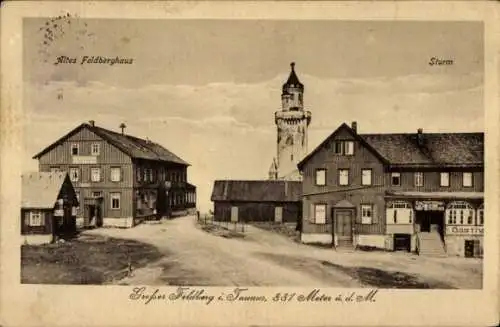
[480, 215]
[460, 213]
[401, 212]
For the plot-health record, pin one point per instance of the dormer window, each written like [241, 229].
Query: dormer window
[74, 149]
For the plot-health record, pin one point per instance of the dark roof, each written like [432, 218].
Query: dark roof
[257, 191]
[292, 80]
[404, 149]
[134, 147]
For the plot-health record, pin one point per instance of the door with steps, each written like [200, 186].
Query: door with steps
[430, 244]
[343, 227]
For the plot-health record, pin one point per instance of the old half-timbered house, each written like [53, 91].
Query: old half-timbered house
[120, 179]
[257, 201]
[417, 191]
[47, 200]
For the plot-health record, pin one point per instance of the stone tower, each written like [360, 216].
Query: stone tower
[292, 123]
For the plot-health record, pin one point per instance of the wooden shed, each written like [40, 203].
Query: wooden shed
[47, 206]
[257, 201]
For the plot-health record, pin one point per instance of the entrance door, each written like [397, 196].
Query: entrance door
[343, 226]
[425, 222]
[278, 214]
[469, 249]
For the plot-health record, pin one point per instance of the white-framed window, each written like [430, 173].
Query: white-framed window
[320, 177]
[320, 213]
[115, 200]
[366, 213]
[116, 174]
[460, 213]
[445, 179]
[480, 215]
[343, 176]
[396, 179]
[95, 149]
[467, 179]
[36, 219]
[366, 177]
[74, 174]
[145, 174]
[75, 149]
[399, 212]
[344, 148]
[419, 179]
[95, 174]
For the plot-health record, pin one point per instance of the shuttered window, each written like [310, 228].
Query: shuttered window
[366, 214]
[320, 213]
[445, 179]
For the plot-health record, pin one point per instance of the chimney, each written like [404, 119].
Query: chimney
[92, 123]
[354, 126]
[420, 137]
[122, 127]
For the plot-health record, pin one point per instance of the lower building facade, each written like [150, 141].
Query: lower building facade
[427, 223]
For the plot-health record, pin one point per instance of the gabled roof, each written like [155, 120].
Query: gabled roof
[134, 147]
[342, 127]
[257, 190]
[41, 189]
[405, 149]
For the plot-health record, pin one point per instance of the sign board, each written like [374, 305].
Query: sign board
[82, 160]
[59, 212]
[429, 205]
[465, 230]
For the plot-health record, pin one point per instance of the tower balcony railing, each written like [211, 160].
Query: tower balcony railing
[293, 114]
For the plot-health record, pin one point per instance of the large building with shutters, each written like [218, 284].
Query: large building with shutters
[418, 191]
[119, 179]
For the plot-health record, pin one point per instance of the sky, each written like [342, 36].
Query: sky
[207, 89]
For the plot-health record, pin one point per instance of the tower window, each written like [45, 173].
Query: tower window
[291, 156]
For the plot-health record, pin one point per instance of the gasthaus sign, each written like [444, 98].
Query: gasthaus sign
[465, 230]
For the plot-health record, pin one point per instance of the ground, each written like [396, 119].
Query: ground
[88, 259]
[191, 255]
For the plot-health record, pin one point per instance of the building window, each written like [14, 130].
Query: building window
[145, 171]
[320, 213]
[115, 200]
[343, 176]
[344, 148]
[456, 212]
[467, 179]
[116, 173]
[36, 219]
[74, 149]
[366, 213]
[320, 176]
[445, 179]
[366, 177]
[139, 174]
[396, 179]
[419, 179]
[95, 149]
[74, 174]
[480, 215]
[95, 174]
[400, 211]
[150, 174]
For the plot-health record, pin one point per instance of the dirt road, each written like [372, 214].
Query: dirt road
[195, 257]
